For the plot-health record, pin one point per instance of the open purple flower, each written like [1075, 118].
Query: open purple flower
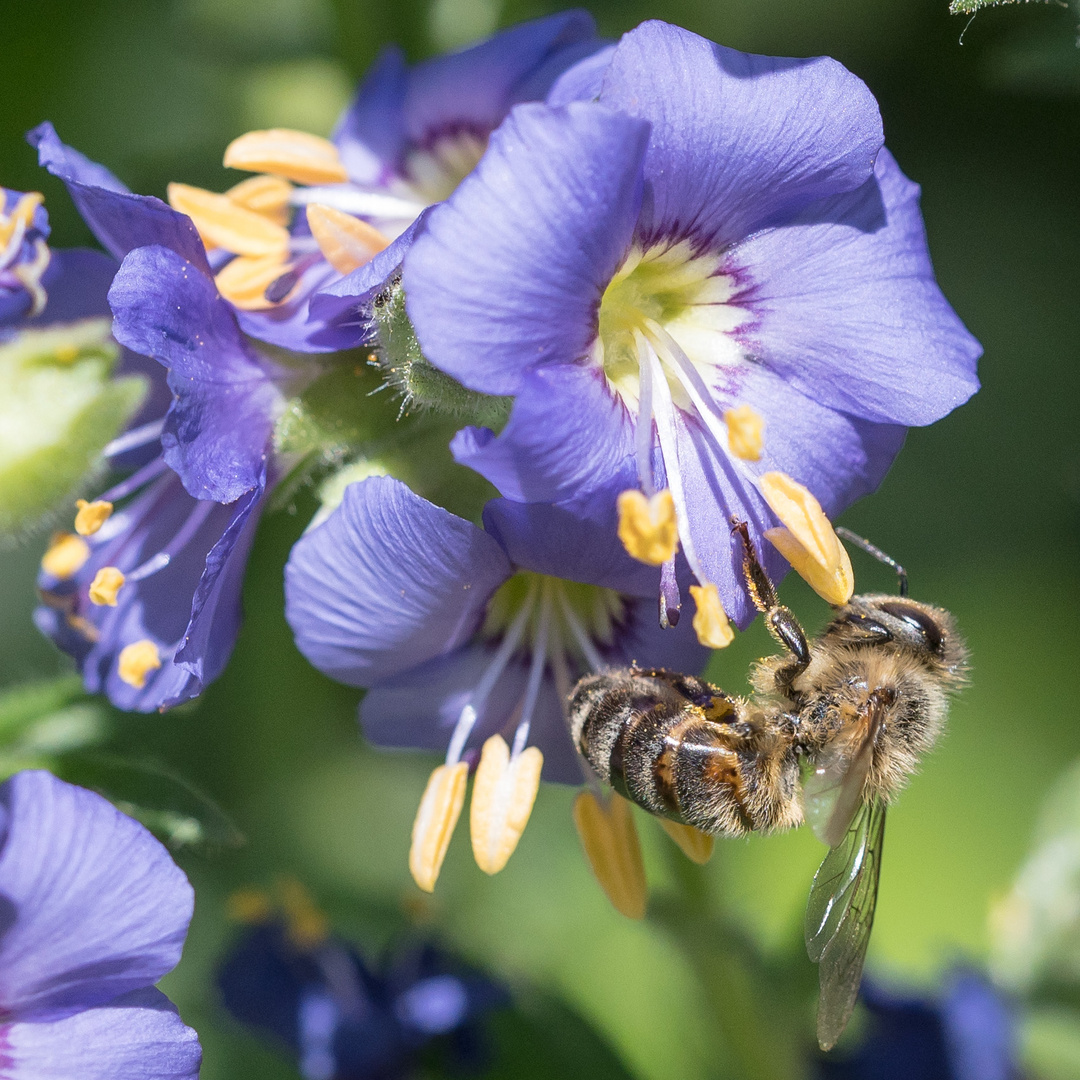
[470, 638]
[713, 271]
[460, 632]
[94, 912]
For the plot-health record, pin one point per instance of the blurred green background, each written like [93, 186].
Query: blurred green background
[983, 508]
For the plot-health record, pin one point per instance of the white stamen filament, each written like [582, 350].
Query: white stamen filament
[584, 643]
[694, 385]
[200, 512]
[468, 715]
[353, 200]
[664, 412]
[131, 440]
[138, 479]
[536, 672]
[643, 433]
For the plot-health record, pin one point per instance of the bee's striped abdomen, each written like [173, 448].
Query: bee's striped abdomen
[677, 747]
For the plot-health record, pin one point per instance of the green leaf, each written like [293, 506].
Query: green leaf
[59, 407]
[174, 810]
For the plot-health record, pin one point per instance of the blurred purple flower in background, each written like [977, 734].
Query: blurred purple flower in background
[93, 912]
[712, 272]
[346, 1020]
[966, 1034]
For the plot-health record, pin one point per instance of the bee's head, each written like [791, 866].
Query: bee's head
[929, 633]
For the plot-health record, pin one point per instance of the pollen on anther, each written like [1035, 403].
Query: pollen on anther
[136, 661]
[744, 432]
[648, 528]
[91, 516]
[503, 795]
[440, 808]
[65, 556]
[105, 586]
[807, 540]
[611, 845]
[710, 620]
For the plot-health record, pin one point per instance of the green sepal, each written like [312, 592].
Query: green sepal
[59, 408]
[420, 385]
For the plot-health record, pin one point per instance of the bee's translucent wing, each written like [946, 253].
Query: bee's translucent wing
[840, 916]
[833, 791]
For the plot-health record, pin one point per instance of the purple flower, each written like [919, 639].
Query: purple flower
[342, 1019]
[147, 600]
[411, 135]
[718, 242]
[461, 633]
[967, 1034]
[94, 912]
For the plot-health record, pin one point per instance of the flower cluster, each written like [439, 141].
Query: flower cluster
[699, 278]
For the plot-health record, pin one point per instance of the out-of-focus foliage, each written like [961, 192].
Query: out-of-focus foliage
[59, 407]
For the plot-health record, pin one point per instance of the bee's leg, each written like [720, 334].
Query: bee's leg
[780, 620]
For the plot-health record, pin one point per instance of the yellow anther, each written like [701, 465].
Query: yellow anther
[647, 527]
[504, 791]
[439, 811]
[30, 275]
[305, 924]
[266, 195]
[808, 540]
[611, 845]
[696, 845]
[65, 556]
[243, 281]
[744, 428]
[307, 159]
[249, 906]
[710, 620]
[105, 586]
[66, 354]
[223, 223]
[91, 516]
[136, 661]
[346, 241]
[21, 216]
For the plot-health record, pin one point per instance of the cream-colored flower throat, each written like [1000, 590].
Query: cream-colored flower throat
[666, 333]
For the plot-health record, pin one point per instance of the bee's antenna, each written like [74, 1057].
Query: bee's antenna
[873, 549]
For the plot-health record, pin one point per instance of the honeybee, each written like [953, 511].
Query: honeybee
[833, 731]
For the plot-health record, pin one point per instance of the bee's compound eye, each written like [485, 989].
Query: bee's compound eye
[918, 620]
